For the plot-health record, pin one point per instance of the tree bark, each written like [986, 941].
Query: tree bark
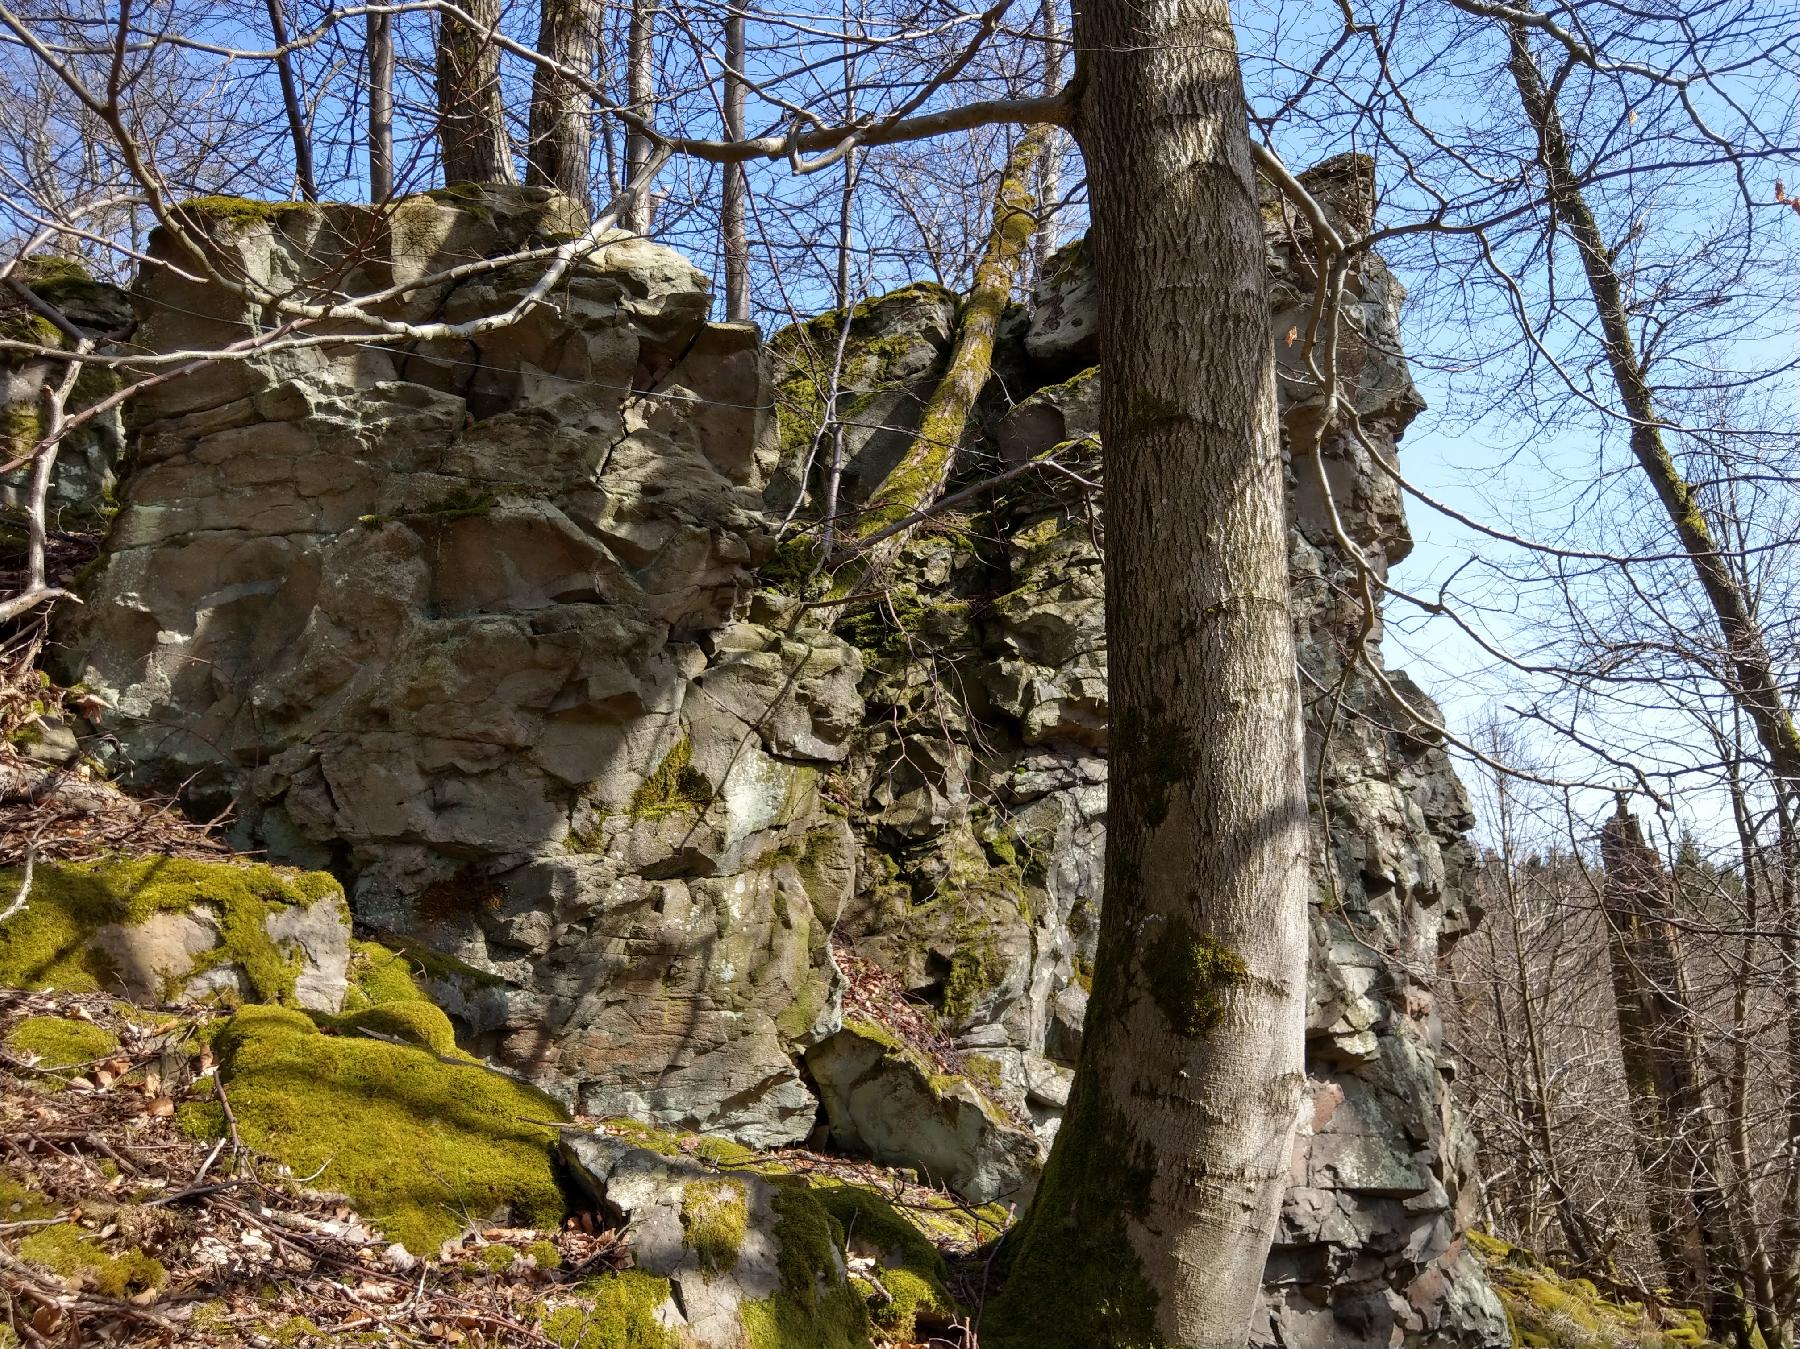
[471, 120]
[1751, 674]
[640, 94]
[1153, 1220]
[381, 106]
[731, 207]
[919, 477]
[290, 102]
[562, 115]
[1659, 1048]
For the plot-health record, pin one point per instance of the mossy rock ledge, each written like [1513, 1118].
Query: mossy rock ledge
[381, 1105]
[884, 1100]
[164, 929]
[754, 1257]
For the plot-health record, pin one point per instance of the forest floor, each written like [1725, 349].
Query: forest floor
[118, 1226]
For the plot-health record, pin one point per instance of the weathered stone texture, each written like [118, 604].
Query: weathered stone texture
[477, 624]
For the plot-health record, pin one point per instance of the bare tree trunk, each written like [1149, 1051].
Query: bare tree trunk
[1153, 1220]
[471, 120]
[290, 100]
[381, 106]
[1752, 681]
[562, 115]
[919, 478]
[731, 208]
[640, 94]
[1049, 166]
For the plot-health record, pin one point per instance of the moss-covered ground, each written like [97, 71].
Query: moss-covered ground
[423, 1139]
[1549, 1309]
[49, 1043]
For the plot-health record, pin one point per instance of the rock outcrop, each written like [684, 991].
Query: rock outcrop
[86, 469]
[498, 629]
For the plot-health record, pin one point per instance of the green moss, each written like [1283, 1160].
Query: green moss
[460, 503]
[614, 1312]
[46, 945]
[982, 1069]
[1084, 973]
[60, 1042]
[294, 1330]
[378, 975]
[791, 566]
[894, 626]
[911, 1267]
[1073, 1276]
[724, 1152]
[19, 1202]
[809, 1003]
[421, 1146]
[240, 211]
[975, 971]
[1188, 972]
[1551, 1310]
[814, 1306]
[425, 963]
[499, 1257]
[715, 1214]
[416, 1022]
[545, 1254]
[674, 787]
[81, 1260]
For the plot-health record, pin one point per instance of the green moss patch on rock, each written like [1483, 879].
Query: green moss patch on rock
[51, 943]
[614, 1312]
[379, 975]
[415, 1022]
[814, 1305]
[423, 1142]
[715, 1214]
[674, 787]
[910, 1268]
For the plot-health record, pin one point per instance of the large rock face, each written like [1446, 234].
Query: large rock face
[479, 626]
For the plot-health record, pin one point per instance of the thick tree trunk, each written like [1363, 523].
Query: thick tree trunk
[381, 106]
[731, 208]
[562, 115]
[1152, 1224]
[640, 94]
[471, 120]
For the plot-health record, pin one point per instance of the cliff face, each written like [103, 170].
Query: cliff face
[498, 631]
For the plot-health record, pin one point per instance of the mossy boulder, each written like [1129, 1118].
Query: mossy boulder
[885, 1100]
[160, 929]
[423, 1138]
[754, 1260]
